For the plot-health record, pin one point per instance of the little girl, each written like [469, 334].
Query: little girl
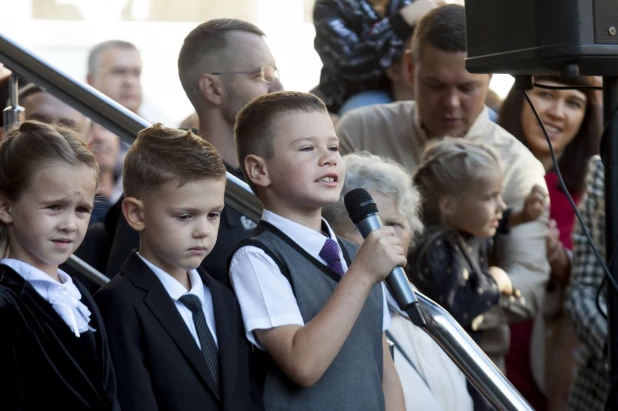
[461, 185]
[53, 348]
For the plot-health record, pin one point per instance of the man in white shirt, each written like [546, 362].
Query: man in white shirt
[450, 102]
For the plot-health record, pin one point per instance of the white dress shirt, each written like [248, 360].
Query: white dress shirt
[64, 296]
[265, 295]
[177, 290]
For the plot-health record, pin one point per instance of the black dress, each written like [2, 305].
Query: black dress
[451, 268]
[43, 365]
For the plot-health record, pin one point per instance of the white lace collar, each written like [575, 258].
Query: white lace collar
[64, 296]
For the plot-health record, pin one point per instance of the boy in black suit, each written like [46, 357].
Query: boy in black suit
[175, 334]
[223, 65]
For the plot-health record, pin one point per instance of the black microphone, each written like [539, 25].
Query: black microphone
[363, 212]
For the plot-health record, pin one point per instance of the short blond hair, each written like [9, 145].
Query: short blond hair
[449, 167]
[161, 155]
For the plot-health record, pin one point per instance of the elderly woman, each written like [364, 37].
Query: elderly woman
[431, 381]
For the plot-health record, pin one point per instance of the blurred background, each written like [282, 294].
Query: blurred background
[61, 32]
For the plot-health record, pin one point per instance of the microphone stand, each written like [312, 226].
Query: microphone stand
[13, 114]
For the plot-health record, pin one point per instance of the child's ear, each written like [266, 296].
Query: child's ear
[211, 89]
[5, 210]
[256, 170]
[447, 206]
[133, 211]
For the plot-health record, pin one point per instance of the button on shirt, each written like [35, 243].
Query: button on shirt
[265, 295]
[177, 290]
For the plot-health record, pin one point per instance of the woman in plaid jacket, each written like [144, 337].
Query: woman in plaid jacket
[591, 386]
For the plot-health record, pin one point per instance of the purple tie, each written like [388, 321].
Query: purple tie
[330, 254]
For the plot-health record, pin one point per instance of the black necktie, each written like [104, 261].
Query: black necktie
[207, 342]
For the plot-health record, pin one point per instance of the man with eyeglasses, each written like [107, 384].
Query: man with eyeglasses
[223, 65]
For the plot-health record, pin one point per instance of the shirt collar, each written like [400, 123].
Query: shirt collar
[173, 286]
[307, 238]
[236, 172]
[477, 126]
[41, 281]
[63, 295]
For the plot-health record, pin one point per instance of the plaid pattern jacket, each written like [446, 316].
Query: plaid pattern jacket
[356, 46]
[591, 385]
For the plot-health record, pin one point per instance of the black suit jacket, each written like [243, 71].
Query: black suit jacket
[158, 363]
[122, 239]
[233, 228]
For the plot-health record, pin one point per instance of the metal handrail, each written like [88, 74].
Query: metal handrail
[441, 326]
[469, 357]
[106, 112]
[86, 270]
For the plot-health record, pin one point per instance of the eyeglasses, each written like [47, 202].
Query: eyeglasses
[267, 74]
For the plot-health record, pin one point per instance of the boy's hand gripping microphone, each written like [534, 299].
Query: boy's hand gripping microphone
[364, 214]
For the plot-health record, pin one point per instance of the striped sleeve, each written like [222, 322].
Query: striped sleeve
[355, 51]
[588, 274]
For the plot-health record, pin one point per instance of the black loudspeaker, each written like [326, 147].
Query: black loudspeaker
[554, 37]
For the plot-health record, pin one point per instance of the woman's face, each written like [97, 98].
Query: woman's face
[562, 112]
[390, 216]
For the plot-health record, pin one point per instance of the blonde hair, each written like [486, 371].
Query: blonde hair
[162, 154]
[449, 168]
[31, 147]
[378, 174]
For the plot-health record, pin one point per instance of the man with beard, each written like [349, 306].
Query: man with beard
[450, 101]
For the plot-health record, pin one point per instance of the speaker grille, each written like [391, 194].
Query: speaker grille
[605, 16]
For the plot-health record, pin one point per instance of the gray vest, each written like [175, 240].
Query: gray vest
[354, 379]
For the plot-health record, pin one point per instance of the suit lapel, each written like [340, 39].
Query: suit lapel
[162, 306]
[227, 336]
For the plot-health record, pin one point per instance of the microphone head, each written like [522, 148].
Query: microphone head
[359, 204]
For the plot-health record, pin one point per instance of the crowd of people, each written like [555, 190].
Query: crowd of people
[207, 309]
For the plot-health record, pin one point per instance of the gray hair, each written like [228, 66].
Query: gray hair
[95, 52]
[378, 174]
